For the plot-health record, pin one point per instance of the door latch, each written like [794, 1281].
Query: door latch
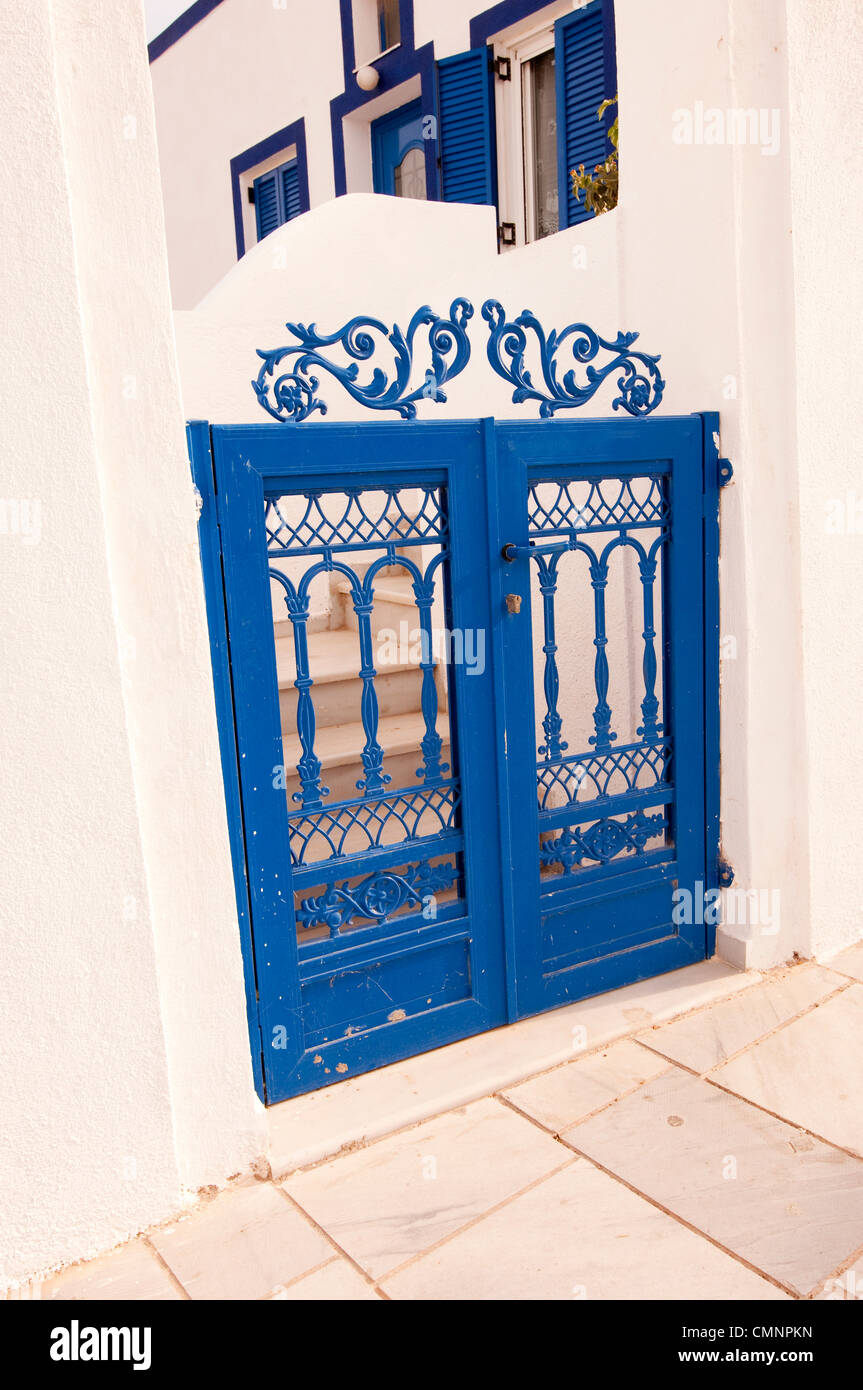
[511, 552]
[513, 603]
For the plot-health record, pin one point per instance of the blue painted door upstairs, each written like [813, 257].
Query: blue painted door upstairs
[398, 154]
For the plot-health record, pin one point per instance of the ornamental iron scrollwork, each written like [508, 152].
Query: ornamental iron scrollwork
[292, 395]
[639, 383]
[376, 898]
[602, 841]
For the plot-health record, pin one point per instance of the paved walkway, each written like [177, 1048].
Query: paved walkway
[716, 1155]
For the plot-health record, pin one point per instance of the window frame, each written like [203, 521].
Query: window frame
[260, 159]
[517, 191]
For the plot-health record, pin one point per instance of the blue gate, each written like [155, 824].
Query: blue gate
[467, 685]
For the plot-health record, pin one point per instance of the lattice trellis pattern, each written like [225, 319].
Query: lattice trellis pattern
[356, 826]
[353, 518]
[586, 776]
[625, 514]
[609, 503]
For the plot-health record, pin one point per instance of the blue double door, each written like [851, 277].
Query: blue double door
[461, 673]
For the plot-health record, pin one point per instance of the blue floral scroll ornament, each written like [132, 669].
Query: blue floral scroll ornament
[639, 383]
[292, 396]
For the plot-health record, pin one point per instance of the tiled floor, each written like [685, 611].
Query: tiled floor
[718, 1154]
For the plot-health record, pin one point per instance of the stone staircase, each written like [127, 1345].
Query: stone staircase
[334, 660]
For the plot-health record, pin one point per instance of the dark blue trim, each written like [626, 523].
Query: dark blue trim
[482, 26]
[712, 748]
[181, 25]
[209, 543]
[294, 134]
[396, 67]
[349, 48]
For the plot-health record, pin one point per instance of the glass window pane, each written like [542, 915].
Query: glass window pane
[410, 175]
[388, 23]
[542, 155]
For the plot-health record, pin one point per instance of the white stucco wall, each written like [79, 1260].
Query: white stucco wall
[698, 258]
[126, 1077]
[245, 71]
[826, 102]
[127, 1081]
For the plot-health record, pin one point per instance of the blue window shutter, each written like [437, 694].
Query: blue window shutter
[291, 203]
[586, 75]
[267, 204]
[465, 98]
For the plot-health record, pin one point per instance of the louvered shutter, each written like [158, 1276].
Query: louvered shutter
[266, 204]
[586, 76]
[292, 207]
[465, 98]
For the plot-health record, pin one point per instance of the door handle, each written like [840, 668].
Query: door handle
[512, 552]
[513, 603]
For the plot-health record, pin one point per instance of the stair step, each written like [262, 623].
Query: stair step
[342, 744]
[392, 589]
[334, 656]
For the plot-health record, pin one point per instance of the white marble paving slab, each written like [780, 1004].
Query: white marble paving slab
[783, 1201]
[132, 1272]
[318, 1125]
[337, 1282]
[850, 962]
[578, 1235]
[557, 1099]
[383, 1204]
[710, 1037]
[243, 1244]
[811, 1072]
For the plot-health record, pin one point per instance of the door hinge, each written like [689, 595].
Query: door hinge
[250, 193]
[502, 69]
[724, 874]
[506, 234]
[726, 472]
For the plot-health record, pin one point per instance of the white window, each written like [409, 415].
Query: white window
[527, 136]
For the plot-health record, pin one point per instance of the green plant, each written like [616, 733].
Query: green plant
[600, 187]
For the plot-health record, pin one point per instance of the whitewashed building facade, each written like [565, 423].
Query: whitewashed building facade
[274, 178]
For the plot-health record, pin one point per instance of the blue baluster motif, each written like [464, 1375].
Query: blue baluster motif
[432, 769]
[649, 728]
[373, 754]
[602, 713]
[309, 765]
[554, 746]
